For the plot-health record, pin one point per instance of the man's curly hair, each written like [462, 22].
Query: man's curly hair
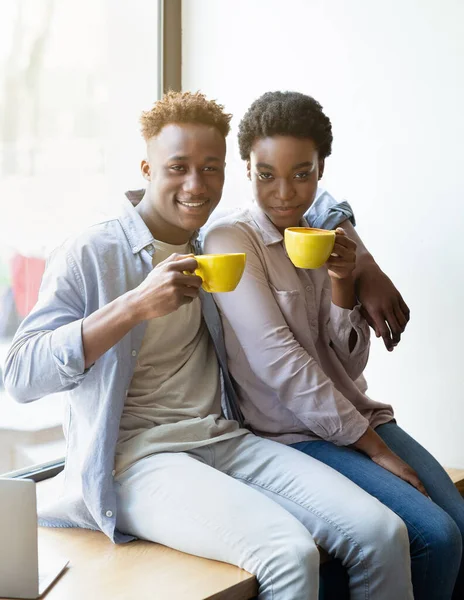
[285, 113]
[184, 107]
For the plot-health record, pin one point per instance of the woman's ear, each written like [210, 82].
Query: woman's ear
[321, 165]
[248, 168]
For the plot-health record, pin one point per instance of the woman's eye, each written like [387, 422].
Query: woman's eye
[265, 176]
[178, 168]
[302, 175]
[210, 169]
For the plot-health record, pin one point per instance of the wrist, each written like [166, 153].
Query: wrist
[366, 271]
[345, 281]
[371, 444]
[365, 260]
[130, 307]
[365, 266]
[343, 292]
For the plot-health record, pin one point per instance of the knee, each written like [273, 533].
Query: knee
[388, 529]
[444, 536]
[299, 550]
[305, 553]
[298, 553]
[396, 530]
[393, 533]
[289, 564]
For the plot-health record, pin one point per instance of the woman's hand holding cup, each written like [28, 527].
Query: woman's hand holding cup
[342, 262]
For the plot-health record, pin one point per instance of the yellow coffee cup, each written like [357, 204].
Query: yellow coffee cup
[307, 247]
[220, 272]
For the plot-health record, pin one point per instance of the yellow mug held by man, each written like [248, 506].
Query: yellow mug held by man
[307, 247]
[220, 272]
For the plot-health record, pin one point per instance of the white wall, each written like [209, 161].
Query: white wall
[391, 77]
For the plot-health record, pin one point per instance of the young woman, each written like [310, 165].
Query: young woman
[297, 344]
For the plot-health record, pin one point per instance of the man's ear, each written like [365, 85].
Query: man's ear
[145, 168]
[248, 169]
[321, 166]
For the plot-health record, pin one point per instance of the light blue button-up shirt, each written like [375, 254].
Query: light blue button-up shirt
[47, 355]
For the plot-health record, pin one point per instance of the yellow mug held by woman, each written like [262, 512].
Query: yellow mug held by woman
[220, 272]
[308, 248]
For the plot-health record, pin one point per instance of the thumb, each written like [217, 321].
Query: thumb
[340, 231]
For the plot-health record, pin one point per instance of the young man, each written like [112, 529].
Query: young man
[133, 342]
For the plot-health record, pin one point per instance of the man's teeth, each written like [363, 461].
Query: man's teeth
[194, 204]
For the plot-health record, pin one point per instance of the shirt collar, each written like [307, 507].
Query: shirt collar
[137, 233]
[269, 232]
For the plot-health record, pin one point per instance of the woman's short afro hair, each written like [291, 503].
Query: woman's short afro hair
[285, 113]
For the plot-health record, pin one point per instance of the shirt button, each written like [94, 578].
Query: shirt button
[308, 288]
[134, 353]
[109, 513]
[113, 472]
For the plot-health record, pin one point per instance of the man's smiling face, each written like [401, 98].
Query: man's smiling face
[185, 170]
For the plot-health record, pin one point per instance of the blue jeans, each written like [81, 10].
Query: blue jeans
[436, 529]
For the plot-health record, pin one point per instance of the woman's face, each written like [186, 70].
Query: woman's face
[284, 173]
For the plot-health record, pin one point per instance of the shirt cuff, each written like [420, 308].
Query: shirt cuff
[342, 321]
[352, 430]
[68, 351]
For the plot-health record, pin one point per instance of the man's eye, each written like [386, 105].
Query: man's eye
[178, 168]
[210, 169]
[265, 176]
[302, 175]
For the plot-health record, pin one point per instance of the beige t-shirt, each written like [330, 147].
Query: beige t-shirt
[174, 400]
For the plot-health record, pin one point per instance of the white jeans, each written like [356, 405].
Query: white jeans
[262, 506]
